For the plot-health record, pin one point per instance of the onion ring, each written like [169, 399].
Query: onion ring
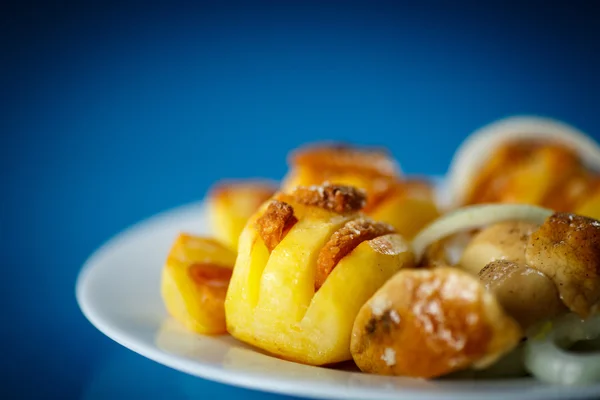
[546, 359]
[474, 217]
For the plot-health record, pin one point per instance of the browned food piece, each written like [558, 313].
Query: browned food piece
[428, 323]
[194, 283]
[275, 222]
[231, 203]
[337, 198]
[507, 176]
[343, 241]
[567, 249]
[500, 241]
[374, 160]
[566, 196]
[369, 168]
[525, 293]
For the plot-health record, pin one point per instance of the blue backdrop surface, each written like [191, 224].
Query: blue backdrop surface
[114, 112]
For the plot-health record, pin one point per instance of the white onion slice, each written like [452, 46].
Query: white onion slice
[474, 217]
[481, 144]
[546, 360]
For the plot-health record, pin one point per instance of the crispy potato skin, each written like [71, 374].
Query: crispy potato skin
[567, 249]
[275, 222]
[331, 197]
[343, 241]
[428, 323]
[194, 283]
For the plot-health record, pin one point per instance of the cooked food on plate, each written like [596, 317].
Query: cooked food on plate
[542, 268]
[528, 160]
[307, 261]
[349, 259]
[408, 204]
[194, 283]
[232, 203]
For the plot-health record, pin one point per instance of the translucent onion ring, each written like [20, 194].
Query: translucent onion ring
[546, 360]
[474, 217]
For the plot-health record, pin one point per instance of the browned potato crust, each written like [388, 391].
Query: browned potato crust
[428, 323]
[343, 241]
[275, 222]
[337, 198]
[567, 249]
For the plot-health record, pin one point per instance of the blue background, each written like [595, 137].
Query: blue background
[114, 112]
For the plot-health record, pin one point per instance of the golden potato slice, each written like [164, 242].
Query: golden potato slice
[343, 241]
[500, 241]
[194, 283]
[408, 207]
[567, 249]
[272, 302]
[231, 203]
[525, 293]
[428, 323]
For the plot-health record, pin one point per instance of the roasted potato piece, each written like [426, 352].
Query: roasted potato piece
[230, 205]
[428, 323]
[405, 204]
[508, 176]
[275, 301]
[500, 241]
[567, 249]
[590, 206]
[194, 283]
[408, 207]
[525, 293]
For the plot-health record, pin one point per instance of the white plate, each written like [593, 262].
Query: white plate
[118, 291]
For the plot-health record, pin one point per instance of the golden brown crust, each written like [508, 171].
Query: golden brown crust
[337, 198]
[275, 222]
[567, 249]
[343, 241]
[212, 282]
[210, 275]
[427, 323]
[340, 156]
[496, 181]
